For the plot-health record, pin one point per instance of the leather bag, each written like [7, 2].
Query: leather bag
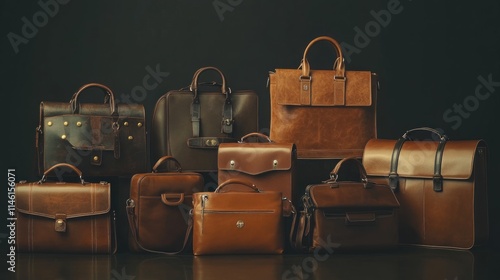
[158, 209]
[236, 222]
[106, 139]
[64, 217]
[190, 123]
[441, 185]
[268, 164]
[328, 114]
[353, 215]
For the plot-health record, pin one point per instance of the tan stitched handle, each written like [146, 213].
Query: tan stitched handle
[164, 159]
[236, 182]
[194, 82]
[110, 95]
[339, 63]
[335, 172]
[60, 165]
[255, 134]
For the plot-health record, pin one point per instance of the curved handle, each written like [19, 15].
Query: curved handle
[236, 182]
[164, 159]
[74, 99]
[255, 134]
[334, 174]
[59, 165]
[442, 137]
[339, 62]
[194, 81]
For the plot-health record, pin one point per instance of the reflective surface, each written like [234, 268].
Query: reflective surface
[403, 263]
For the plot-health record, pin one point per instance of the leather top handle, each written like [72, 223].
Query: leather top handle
[59, 165]
[165, 159]
[194, 81]
[110, 96]
[334, 174]
[255, 134]
[339, 63]
[437, 178]
[236, 182]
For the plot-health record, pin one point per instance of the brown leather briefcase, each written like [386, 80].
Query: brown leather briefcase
[347, 215]
[190, 123]
[158, 209]
[328, 114]
[62, 217]
[441, 185]
[235, 222]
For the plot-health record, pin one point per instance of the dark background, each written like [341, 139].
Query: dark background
[428, 55]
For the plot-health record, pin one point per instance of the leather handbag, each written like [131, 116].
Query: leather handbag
[237, 222]
[441, 185]
[158, 209]
[190, 123]
[106, 139]
[64, 217]
[353, 215]
[328, 114]
[268, 164]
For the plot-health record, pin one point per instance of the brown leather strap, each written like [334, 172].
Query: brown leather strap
[339, 64]
[110, 97]
[255, 134]
[131, 221]
[208, 142]
[335, 172]
[236, 182]
[165, 159]
[60, 165]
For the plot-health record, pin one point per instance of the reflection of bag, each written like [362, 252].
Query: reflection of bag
[246, 267]
[60, 217]
[269, 165]
[326, 113]
[190, 124]
[354, 215]
[105, 139]
[440, 184]
[237, 222]
[158, 209]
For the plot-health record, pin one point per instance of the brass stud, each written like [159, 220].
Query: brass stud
[275, 163]
[78, 124]
[240, 224]
[130, 137]
[139, 124]
[49, 123]
[232, 164]
[63, 136]
[125, 123]
[95, 158]
[60, 221]
[65, 123]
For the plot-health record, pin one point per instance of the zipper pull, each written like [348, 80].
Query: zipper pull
[204, 198]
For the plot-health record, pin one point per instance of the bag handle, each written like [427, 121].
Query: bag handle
[255, 134]
[60, 165]
[107, 90]
[339, 62]
[165, 159]
[334, 174]
[227, 110]
[437, 178]
[236, 182]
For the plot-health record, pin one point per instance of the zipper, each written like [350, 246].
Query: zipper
[204, 198]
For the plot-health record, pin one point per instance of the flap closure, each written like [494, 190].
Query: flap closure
[352, 195]
[255, 158]
[360, 218]
[417, 158]
[322, 88]
[63, 201]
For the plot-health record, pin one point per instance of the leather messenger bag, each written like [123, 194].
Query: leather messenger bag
[440, 183]
[64, 217]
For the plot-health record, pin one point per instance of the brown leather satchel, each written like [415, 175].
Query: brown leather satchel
[158, 209]
[347, 215]
[62, 217]
[237, 222]
[190, 123]
[441, 185]
[268, 164]
[101, 139]
[326, 113]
